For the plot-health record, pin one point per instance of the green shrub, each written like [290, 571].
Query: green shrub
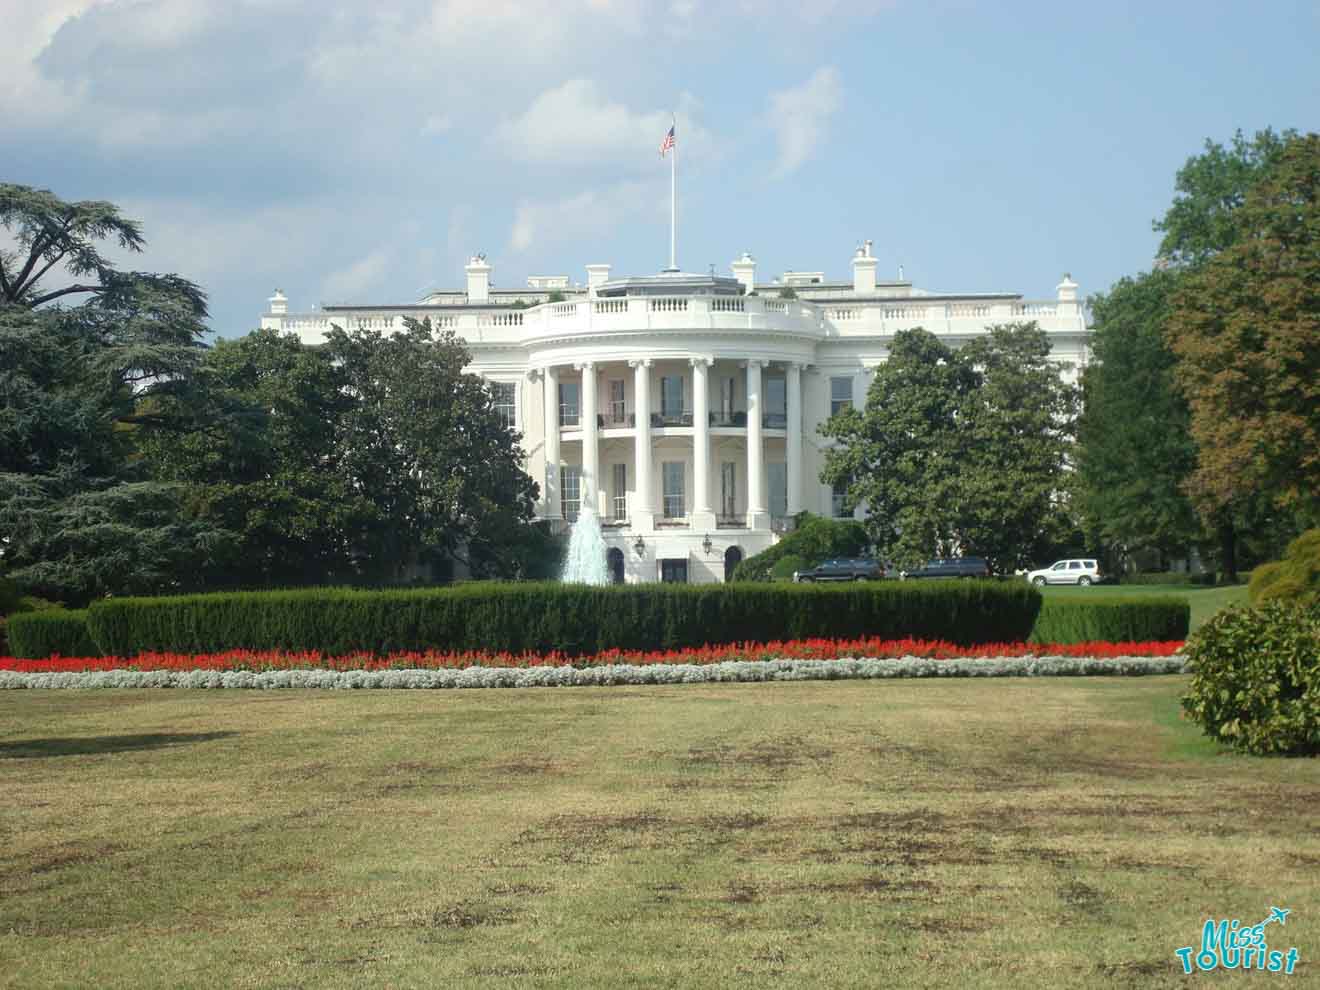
[813, 539]
[785, 566]
[1113, 620]
[1295, 578]
[1256, 678]
[50, 632]
[574, 619]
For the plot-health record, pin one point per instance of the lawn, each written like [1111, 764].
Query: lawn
[937, 833]
[1205, 602]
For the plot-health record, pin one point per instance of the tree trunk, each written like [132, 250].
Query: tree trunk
[1228, 550]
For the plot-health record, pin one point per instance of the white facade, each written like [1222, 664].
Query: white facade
[685, 408]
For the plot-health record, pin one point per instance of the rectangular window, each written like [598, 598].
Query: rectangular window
[672, 475]
[840, 394]
[504, 396]
[777, 479]
[619, 505]
[570, 491]
[724, 414]
[776, 404]
[837, 498]
[569, 406]
[728, 488]
[671, 398]
[618, 405]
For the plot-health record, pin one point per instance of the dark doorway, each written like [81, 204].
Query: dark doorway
[732, 558]
[673, 571]
[614, 561]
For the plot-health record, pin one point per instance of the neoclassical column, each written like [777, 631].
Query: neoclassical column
[703, 517]
[643, 510]
[550, 384]
[590, 447]
[757, 514]
[794, 438]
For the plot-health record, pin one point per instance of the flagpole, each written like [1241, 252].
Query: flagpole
[673, 202]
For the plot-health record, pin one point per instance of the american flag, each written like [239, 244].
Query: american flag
[668, 142]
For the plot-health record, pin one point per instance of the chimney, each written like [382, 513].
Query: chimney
[864, 266]
[478, 279]
[1067, 290]
[597, 275]
[279, 303]
[744, 270]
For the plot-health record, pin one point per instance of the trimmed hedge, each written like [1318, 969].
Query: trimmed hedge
[1256, 678]
[571, 619]
[1113, 620]
[53, 632]
[813, 539]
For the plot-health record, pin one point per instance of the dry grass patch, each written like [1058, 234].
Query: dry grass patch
[992, 833]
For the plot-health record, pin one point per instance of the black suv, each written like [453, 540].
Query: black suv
[842, 569]
[950, 567]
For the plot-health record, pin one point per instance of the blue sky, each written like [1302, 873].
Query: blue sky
[346, 151]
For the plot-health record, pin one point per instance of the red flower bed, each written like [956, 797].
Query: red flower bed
[806, 649]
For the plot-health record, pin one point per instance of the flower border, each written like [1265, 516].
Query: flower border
[864, 668]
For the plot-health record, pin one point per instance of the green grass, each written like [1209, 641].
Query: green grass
[1010, 833]
[1205, 602]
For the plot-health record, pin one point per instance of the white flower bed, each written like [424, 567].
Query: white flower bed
[524, 677]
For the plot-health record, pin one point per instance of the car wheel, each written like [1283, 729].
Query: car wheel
[805, 580]
[1083, 582]
[1039, 582]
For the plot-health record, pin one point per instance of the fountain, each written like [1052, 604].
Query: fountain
[585, 562]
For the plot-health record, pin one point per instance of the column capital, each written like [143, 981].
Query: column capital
[753, 363]
[635, 362]
[584, 365]
[703, 361]
[534, 374]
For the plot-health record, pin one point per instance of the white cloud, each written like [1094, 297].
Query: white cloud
[577, 123]
[800, 117]
[437, 123]
[352, 282]
[588, 214]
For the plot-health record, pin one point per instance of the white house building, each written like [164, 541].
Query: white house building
[684, 408]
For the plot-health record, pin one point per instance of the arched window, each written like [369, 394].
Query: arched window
[614, 561]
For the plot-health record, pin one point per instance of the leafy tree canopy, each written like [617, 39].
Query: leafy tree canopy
[79, 386]
[1210, 188]
[959, 450]
[1245, 327]
[1135, 450]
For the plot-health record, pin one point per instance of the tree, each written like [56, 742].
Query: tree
[424, 446]
[1210, 188]
[262, 464]
[78, 387]
[1135, 451]
[958, 450]
[1245, 327]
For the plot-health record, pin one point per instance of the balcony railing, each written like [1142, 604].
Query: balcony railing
[728, 419]
[615, 419]
[731, 521]
[775, 421]
[671, 418]
[569, 416]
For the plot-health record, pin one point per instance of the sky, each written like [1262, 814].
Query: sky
[360, 152]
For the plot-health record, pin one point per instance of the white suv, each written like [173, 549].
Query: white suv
[1080, 572]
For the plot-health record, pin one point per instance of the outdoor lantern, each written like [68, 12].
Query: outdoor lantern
[640, 546]
[707, 545]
